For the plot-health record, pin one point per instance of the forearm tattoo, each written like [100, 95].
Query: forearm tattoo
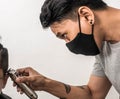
[67, 88]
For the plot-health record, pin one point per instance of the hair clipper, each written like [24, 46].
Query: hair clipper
[25, 88]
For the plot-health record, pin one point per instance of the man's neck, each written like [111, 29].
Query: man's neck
[109, 24]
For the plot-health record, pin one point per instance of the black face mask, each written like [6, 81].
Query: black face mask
[83, 43]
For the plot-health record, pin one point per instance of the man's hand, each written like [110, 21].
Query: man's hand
[34, 79]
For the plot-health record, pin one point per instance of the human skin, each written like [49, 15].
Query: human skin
[105, 29]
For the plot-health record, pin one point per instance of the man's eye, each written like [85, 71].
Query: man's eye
[63, 36]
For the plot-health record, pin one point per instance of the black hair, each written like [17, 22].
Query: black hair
[3, 58]
[57, 10]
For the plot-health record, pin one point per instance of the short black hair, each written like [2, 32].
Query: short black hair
[57, 10]
[3, 59]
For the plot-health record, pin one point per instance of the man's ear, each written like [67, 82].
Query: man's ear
[86, 13]
[5, 81]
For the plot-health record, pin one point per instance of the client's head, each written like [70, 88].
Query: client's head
[3, 66]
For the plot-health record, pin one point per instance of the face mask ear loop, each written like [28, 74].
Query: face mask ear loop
[79, 23]
[92, 29]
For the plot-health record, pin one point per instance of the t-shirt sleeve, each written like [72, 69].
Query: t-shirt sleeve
[98, 67]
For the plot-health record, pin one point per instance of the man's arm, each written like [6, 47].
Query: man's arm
[97, 88]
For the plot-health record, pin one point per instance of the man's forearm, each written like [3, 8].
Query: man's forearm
[64, 91]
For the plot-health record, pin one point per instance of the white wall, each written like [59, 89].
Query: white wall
[30, 45]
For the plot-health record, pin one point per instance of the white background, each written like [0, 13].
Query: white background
[30, 45]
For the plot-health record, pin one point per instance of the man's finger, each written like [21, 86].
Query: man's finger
[23, 79]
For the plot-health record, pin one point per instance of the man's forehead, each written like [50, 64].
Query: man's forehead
[55, 25]
[58, 26]
[59, 23]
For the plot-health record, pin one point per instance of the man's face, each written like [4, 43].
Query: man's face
[68, 29]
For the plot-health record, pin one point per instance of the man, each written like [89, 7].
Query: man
[89, 27]
[3, 70]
